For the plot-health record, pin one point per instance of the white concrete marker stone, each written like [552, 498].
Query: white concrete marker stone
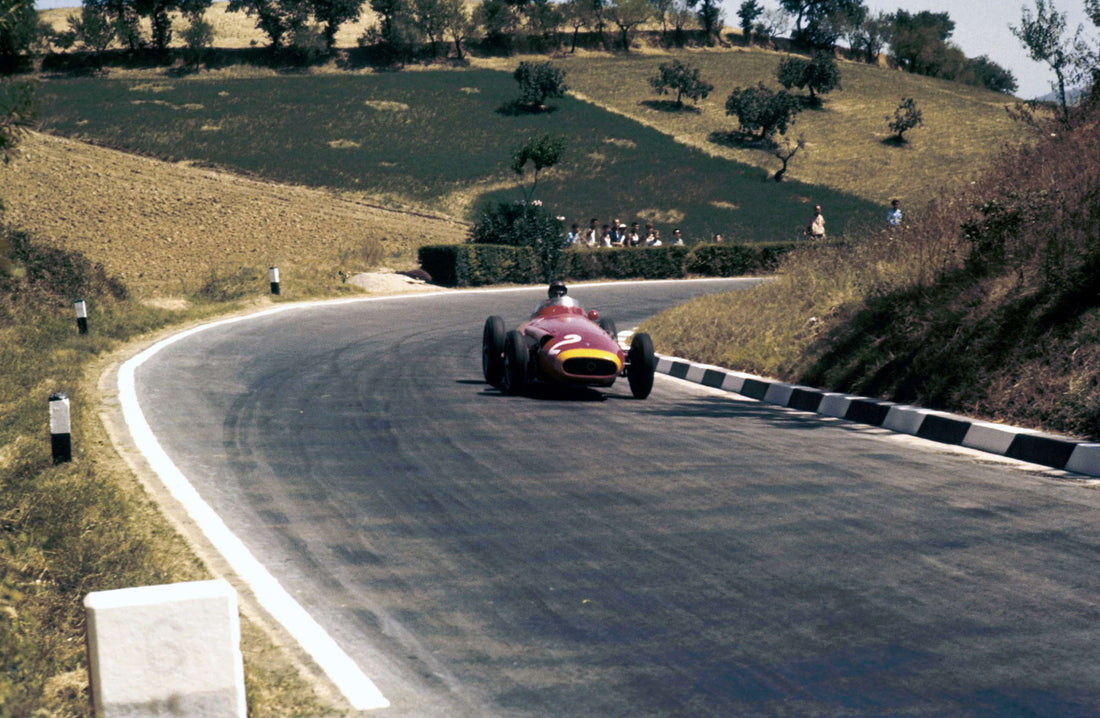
[171, 650]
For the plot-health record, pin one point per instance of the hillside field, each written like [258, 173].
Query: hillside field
[439, 140]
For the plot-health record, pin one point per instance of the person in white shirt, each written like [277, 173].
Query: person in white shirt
[893, 217]
[573, 236]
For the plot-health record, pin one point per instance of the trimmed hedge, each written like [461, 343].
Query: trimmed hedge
[647, 262]
[471, 265]
[735, 260]
[474, 265]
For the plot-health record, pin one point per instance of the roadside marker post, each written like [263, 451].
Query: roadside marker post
[273, 277]
[61, 442]
[168, 650]
[81, 315]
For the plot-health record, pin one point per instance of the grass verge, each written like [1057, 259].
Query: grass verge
[986, 303]
[89, 525]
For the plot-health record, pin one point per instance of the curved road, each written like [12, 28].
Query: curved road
[586, 554]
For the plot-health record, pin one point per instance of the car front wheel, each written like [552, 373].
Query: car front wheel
[492, 350]
[641, 366]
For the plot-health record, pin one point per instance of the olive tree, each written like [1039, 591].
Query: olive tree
[18, 30]
[541, 152]
[539, 82]
[747, 14]
[526, 222]
[819, 75]
[682, 79]
[762, 111]
[627, 15]
[906, 117]
[16, 115]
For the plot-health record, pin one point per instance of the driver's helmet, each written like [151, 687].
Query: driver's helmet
[557, 289]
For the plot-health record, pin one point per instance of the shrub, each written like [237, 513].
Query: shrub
[682, 79]
[522, 224]
[758, 109]
[819, 75]
[906, 117]
[539, 82]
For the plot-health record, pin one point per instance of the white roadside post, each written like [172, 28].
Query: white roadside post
[273, 277]
[171, 650]
[81, 316]
[61, 441]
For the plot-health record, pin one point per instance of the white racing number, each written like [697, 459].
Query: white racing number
[565, 341]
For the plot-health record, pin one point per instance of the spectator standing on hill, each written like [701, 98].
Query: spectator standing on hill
[633, 239]
[652, 236]
[677, 238]
[717, 239]
[605, 236]
[815, 229]
[893, 217]
[573, 236]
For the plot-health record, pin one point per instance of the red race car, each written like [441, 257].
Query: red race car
[561, 343]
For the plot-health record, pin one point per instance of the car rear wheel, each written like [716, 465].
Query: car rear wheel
[492, 350]
[515, 363]
[641, 366]
[608, 325]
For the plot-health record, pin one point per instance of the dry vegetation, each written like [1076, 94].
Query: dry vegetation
[986, 303]
[167, 229]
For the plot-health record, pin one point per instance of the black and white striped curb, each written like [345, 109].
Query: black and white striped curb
[1022, 444]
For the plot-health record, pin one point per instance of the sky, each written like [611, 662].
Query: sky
[981, 28]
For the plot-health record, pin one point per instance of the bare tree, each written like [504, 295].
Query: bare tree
[1043, 35]
[785, 153]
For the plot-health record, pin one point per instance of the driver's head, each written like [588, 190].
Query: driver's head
[557, 289]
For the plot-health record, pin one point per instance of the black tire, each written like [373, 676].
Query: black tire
[492, 350]
[515, 363]
[608, 325]
[641, 366]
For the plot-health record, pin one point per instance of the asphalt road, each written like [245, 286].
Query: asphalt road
[587, 554]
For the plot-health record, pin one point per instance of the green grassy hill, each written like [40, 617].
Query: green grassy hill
[438, 140]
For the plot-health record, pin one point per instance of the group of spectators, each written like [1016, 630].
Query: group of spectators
[618, 234]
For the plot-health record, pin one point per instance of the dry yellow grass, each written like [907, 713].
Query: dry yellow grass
[167, 228]
[846, 145]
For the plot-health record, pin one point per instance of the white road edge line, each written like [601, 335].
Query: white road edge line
[356, 687]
